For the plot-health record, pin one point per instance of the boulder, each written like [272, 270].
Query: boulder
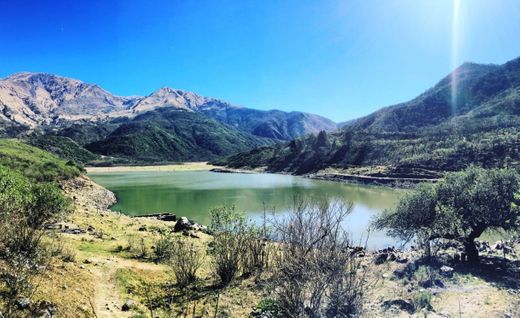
[23, 303]
[129, 304]
[447, 271]
[401, 304]
[380, 258]
[46, 309]
[498, 245]
[183, 224]
[167, 217]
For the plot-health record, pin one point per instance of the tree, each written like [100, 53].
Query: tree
[460, 207]
[25, 207]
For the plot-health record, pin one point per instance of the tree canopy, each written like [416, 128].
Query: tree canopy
[460, 207]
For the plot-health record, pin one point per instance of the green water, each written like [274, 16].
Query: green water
[194, 193]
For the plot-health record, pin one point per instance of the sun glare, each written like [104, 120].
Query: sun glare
[455, 29]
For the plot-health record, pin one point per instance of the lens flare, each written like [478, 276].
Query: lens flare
[455, 29]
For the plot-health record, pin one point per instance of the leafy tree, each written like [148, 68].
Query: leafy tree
[25, 207]
[460, 207]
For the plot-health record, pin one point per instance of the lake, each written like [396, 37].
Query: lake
[194, 193]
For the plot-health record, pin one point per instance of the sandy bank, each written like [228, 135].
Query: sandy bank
[187, 166]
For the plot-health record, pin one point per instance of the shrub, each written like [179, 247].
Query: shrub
[185, 260]
[229, 242]
[164, 246]
[422, 299]
[25, 207]
[316, 274]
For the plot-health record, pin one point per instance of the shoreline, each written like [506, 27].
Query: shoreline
[388, 182]
[382, 181]
[186, 166]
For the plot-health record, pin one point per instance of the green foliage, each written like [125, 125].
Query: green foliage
[35, 163]
[267, 308]
[164, 246]
[228, 246]
[171, 135]
[63, 147]
[422, 299]
[460, 207]
[25, 207]
[185, 260]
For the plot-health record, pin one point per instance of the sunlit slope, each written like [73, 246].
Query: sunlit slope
[428, 133]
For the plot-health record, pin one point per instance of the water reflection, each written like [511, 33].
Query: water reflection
[194, 193]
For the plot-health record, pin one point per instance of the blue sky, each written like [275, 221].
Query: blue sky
[338, 58]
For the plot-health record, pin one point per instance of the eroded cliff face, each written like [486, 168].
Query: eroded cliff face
[86, 192]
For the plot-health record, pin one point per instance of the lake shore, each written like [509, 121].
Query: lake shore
[384, 181]
[186, 166]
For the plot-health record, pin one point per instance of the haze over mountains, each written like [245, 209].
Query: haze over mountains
[435, 132]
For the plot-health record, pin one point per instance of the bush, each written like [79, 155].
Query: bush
[164, 246]
[185, 260]
[422, 299]
[316, 272]
[25, 207]
[229, 242]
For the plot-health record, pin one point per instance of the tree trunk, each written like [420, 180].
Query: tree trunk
[471, 251]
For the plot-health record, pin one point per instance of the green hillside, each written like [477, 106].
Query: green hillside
[63, 147]
[429, 133]
[170, 135]
[35, 163]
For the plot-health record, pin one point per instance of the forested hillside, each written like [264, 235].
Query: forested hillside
[434, 132]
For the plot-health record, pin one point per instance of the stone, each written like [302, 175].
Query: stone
[498, 245]
[23, 303]
[380, 258]
[182, 224]
[401, 304]
[447, 271]
[129, 304]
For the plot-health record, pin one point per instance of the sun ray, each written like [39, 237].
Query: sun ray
[455, 29]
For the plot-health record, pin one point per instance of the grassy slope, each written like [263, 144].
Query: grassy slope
[63, 147]
[34, 162]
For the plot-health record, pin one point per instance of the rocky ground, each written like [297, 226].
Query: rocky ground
[105, 268]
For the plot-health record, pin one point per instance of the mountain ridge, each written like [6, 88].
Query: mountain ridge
[33, 100]
[433, 131]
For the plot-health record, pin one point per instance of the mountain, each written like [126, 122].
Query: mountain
[432, 133]
[33, 100]
[170, 135]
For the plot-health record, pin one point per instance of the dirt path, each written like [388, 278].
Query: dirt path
[107, 298]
